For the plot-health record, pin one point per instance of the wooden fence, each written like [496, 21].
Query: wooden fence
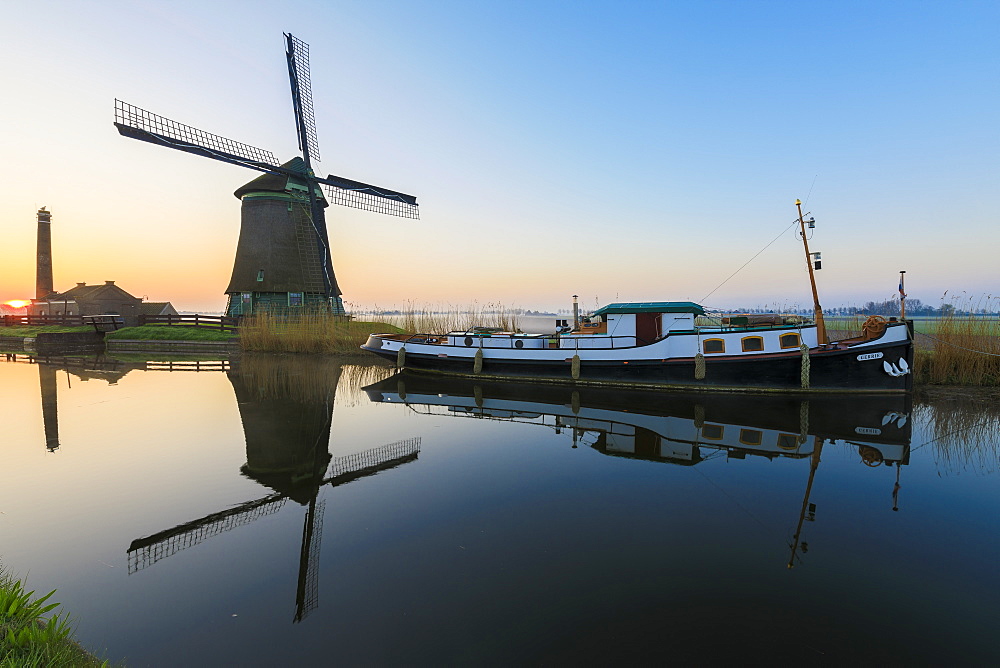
[41, 320]
[219, 322]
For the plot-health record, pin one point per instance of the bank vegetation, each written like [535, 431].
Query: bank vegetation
[29, 637]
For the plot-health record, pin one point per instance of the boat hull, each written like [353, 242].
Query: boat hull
[880, 365]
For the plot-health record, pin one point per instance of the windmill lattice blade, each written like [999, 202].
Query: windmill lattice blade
[297, 53]
[374, 460]
[147, 551]
[185, 137]
[362, 196]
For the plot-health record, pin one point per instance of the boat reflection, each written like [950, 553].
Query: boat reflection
[679, 428]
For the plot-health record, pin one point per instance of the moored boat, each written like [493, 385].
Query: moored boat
[670, 345]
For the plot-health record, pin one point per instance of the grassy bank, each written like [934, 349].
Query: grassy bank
[28, 637]
[170, 333]
[26, 332]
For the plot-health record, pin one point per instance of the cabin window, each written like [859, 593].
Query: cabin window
[714, 346]
[789, 340]
[712, 432]
[788, 441]
[751, 436]
[295, 299]
[753, 344]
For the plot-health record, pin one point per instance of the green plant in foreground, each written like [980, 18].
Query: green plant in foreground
[27, 638]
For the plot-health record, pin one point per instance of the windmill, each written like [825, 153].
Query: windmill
[283, 259]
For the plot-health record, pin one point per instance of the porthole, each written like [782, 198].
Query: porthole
[468, 340]
[714, 346]
[519, 344]
[752, 344]
[788, 441]
[789, 340]
[712, 432]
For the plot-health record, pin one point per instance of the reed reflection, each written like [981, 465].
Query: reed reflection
[680, 428]
[286, 407]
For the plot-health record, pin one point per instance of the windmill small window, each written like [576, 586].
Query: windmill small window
[260, 276]
[295, 298]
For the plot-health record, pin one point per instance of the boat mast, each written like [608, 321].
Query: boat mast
[820, 324]
[813, 465]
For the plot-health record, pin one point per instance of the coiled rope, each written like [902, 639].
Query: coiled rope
[805, 366]
[699, 367]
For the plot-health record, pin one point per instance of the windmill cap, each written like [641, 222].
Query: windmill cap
[274, 182]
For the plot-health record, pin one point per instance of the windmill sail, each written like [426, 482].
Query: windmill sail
[357, 195]
[137, 123]
[297, 54]
[283, 259]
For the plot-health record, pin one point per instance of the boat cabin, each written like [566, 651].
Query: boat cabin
[646, 321]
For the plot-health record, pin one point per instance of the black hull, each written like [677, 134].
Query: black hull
[830, 370]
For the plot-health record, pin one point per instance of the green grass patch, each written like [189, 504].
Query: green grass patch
[25, 332]
[169, 333]
[29, 637]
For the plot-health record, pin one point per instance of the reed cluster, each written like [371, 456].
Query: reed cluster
[439, 319]
[320, 332]
[959, 350]
[310, 332]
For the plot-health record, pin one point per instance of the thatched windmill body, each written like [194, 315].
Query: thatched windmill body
[283, 259]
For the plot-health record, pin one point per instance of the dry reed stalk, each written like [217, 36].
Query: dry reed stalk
[309, 332]
[965, 350]
[415, 319]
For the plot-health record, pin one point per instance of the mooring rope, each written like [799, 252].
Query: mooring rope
[955, 345]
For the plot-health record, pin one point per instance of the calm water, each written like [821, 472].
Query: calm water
[277, 512]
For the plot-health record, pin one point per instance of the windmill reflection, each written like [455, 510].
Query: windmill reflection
[679, 428]
[286, 406]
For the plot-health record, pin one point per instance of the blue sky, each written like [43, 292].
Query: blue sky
[619, 151]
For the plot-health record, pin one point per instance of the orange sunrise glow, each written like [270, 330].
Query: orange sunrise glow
[18, 303]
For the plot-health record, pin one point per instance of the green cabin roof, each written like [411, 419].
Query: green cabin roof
[651, 307]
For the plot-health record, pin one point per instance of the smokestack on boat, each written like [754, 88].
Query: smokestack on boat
[43, 261]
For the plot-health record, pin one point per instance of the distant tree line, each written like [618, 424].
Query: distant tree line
[889, 308]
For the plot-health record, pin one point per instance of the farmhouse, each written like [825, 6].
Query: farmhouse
[98, 300]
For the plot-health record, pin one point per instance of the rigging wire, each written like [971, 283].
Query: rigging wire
[794, 222]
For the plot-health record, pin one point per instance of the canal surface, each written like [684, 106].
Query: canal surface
[297, 510]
